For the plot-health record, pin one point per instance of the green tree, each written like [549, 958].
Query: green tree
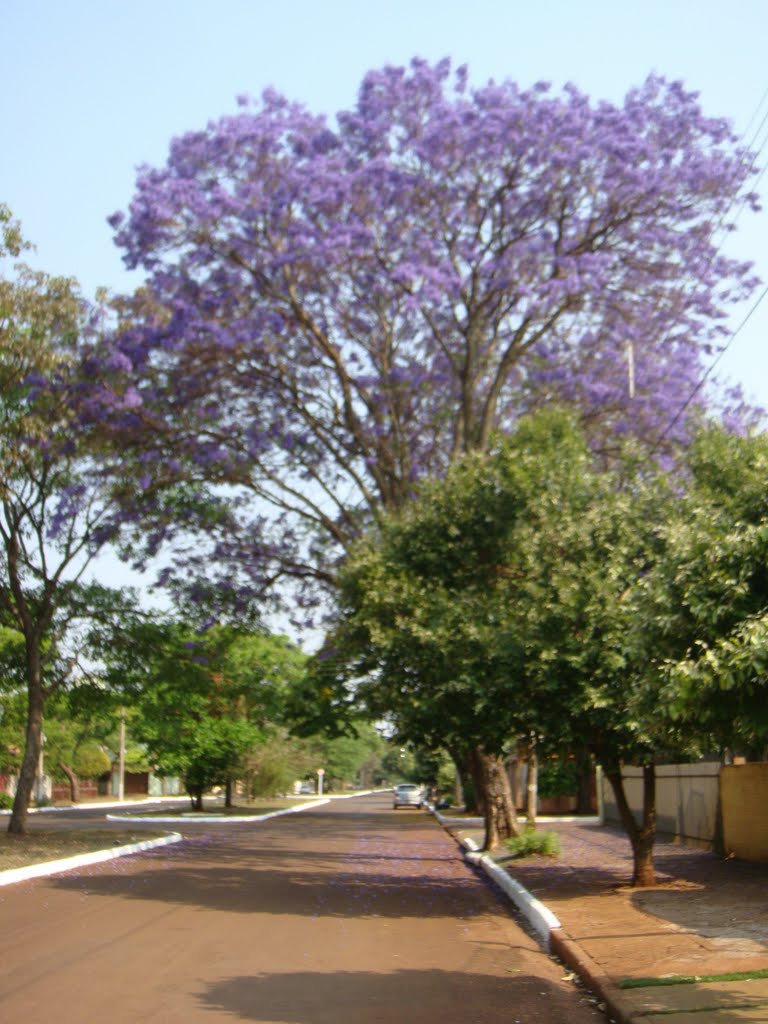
[455, 612]
[77, 739]
[205, 703]
[349, 760]
[53, 507]
[499, 605]
[190, 720]
[707, 601]
[277, 762]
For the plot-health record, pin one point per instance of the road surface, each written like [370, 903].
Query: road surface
[347, 913]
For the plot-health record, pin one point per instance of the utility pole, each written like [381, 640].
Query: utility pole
[121, 759]
[631, 368]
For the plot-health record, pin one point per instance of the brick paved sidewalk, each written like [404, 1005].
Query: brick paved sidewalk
[705, 916]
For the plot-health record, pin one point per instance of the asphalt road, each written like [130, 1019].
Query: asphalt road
[348, 913]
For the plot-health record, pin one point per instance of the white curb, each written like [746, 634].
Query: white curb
[220, 819]
[53, 867]
[540, 917]
[98, 805]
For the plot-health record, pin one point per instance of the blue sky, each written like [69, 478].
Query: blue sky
[89, 89]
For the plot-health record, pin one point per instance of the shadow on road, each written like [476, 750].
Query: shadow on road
[415, 996]
[372, 867]
[281, 891]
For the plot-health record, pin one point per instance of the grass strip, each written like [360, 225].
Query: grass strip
[692, 979]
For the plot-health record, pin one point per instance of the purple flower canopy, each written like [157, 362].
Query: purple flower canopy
[335, 308]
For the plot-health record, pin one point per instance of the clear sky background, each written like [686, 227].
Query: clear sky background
[89, 89]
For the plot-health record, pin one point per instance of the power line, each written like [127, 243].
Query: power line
[755, 157]
[708, 372]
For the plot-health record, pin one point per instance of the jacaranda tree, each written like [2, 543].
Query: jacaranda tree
[334, 308]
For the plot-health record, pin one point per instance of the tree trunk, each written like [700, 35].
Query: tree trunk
[74, 783]
[458, 787]
[718, 839]
[585, 791]
[532, 784]
[34, 742]
[196, 796]
[474, 800]
[228, 789]
[500, 813]
[641, 837]
[514, 779]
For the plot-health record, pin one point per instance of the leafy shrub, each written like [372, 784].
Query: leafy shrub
[529, 842]
[558, 777]
[6, 802]
[90, 760]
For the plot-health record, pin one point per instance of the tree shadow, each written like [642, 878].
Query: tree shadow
[374, 877]
[725, 1002]
[413, 996]
[731, 907]
[597, 859]
[288, 891]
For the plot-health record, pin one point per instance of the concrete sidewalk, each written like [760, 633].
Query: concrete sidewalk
[705, 919]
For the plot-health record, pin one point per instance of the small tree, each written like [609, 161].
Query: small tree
[455, 609]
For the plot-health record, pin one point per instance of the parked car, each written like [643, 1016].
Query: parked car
[307, 787]
[408, 794]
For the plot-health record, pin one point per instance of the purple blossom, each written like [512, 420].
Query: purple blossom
[337, 308]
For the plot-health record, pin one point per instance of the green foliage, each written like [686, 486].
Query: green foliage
[6, 802]
[352, 760]
[12, 660]
[530, 843]
[78, 735]
[91, 760]
[208, 753]
[435, 768]
[400, 764]
[496, 604]
[557, 777]
[13, 714]
[136, 757]
[276, 763]
[206, 706]
[705, 605]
